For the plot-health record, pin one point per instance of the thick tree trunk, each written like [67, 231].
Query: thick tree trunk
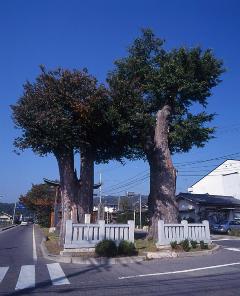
[162, 203]
[69, 189]
[86, 183]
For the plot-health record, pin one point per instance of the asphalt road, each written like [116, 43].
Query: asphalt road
[21, 273]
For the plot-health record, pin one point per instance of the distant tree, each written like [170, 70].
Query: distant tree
[40, 200]
[7, 208]
[155, 91]
[125, 204]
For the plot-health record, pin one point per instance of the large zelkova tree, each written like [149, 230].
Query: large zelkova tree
[159, 92]
[66, 112]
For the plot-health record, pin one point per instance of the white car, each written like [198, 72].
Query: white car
[24, 223]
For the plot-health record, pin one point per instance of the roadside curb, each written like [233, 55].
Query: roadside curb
[89, 261]
[172, 254]
[8, 227]
[199, 253]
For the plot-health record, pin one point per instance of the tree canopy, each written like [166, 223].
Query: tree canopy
[151, 77]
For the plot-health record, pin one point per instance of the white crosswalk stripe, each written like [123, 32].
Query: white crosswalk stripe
[26, 277]
[233, 249]
[57, 275]
[3, 271]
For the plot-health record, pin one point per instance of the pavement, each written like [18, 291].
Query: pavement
[24, 271]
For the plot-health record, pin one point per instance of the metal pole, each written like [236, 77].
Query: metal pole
[134, 217]
[14, 211]
[140, 211]
[100, 188]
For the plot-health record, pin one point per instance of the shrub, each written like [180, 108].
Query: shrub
[193, 244]
[203, 246]
[126, 248]
[106, 248]
[185, 245]
[173, 244]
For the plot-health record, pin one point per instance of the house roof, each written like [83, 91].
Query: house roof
[210, 200]
[212, 171]
[4, 214]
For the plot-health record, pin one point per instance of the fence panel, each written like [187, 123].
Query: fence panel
[178, 232]
[88, 235]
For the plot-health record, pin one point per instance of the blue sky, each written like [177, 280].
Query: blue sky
[92, 34]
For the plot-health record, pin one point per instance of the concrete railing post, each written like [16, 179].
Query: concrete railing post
[101, 229]
[185, 229]
[207, 230]
[69, 230]
[161, 234]
[87, 218]
[131, 230]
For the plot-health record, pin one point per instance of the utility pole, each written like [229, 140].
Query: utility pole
[100, 188]
[140, 211]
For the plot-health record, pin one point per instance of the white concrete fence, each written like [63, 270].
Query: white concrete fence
[178, 232]
[88, 235]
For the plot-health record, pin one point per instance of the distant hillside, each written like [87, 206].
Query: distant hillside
[7, 208]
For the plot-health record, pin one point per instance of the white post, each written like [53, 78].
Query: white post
[68, 234]
[161, 234]
[207, 230]
[185, 229]
[131, 230]
[101, 229]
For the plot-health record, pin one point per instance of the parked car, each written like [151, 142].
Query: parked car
[24, 223]
[226, 226]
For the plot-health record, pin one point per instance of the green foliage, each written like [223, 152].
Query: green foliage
[65, 110]
[126, 248]
[193, 244]
[151, 77]
[124, 217]
[173, 244]
[203, 245]
[125, 204]
[185, 245]
[106, 248]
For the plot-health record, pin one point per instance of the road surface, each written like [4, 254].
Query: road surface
[23, 271]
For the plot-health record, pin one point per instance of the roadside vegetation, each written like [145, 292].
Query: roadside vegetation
[189, 246]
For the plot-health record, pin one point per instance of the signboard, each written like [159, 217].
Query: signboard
[20, 206]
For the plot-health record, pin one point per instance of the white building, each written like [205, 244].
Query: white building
[223, 180]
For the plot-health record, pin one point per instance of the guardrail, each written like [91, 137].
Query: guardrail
[88, 235]
[178, 232]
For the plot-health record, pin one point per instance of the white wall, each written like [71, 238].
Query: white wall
[224, 180]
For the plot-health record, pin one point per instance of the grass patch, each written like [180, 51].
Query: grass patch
[145, 245]
[52, 241]
[235, 232]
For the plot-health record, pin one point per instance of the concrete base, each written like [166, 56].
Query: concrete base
[163, 247]
[70, 252]
[52, 229]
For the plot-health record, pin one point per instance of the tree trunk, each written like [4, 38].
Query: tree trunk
[86, 183]
[162, 203]
[69, 189]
